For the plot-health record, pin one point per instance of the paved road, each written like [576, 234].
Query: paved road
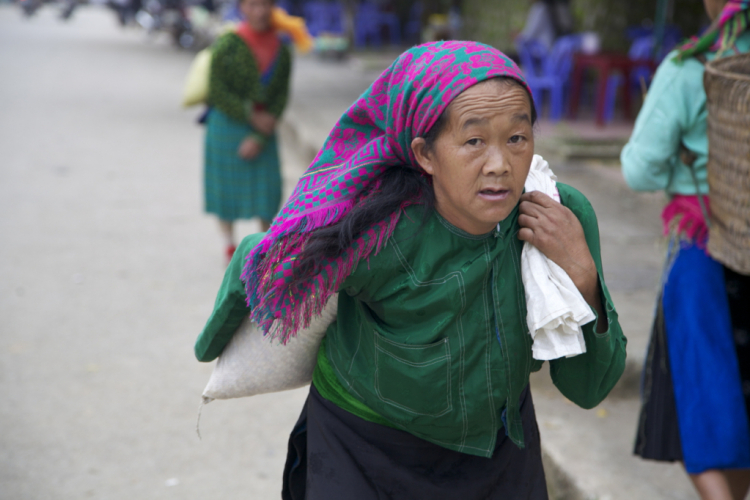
[108, 269]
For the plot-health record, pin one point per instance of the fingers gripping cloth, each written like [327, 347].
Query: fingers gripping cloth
[555, 309]
[372, 136]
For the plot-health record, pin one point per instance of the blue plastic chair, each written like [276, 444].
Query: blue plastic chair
[550, 72]
[671, 37]
[532, 54]
[368, 23]
[323, 17]
[231, 13]
[286, 5]
[335, 18]
[641, 48]
[413, 27]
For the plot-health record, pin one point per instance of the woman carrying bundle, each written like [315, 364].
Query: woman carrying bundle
[696, 391]
[415, 213]
[248, 91]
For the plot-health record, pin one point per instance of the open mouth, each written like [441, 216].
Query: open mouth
[494, 194]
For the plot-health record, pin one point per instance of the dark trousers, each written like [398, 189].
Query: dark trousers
[334, 454]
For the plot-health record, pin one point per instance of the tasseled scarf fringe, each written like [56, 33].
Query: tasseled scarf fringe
[282, 307]
[683, 215]
[723, 32]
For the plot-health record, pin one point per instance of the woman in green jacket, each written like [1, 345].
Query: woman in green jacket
[415, 213]
[248, 91]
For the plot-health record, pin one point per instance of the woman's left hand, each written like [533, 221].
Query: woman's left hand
[556, 232]
[249, 148]
[264, 122]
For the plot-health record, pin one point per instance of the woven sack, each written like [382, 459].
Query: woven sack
[196, 83]
[251, 363]
[727, 84]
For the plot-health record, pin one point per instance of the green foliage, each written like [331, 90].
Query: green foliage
[610, 19]
[690, 16]
[496, 22]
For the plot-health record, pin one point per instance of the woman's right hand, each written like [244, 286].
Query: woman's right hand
[249, 148]
[263, 121]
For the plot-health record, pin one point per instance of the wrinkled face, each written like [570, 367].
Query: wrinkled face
[257, 13]
[480, 161]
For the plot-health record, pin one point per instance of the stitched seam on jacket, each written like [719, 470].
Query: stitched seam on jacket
[411, 363]
[359, 342]
[459, 324]
[506, 357]
[490, 336]
[527, 336]
[463, 234]
[405, 408]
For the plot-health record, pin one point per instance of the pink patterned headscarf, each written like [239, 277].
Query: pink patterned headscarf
[373, 135]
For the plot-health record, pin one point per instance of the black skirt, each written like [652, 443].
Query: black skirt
[334, 454]
[658, 434]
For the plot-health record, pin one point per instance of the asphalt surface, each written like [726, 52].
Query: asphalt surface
[108, 270]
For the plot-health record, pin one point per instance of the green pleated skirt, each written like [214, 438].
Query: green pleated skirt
[237, 188]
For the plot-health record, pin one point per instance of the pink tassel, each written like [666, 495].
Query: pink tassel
[691, 223]
[282, 310]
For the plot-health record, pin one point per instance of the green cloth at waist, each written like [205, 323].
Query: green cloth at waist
[328, 385]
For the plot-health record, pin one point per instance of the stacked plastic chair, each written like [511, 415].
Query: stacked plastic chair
[549, 71]
[323, 17]
[369, 22]
[643, 47]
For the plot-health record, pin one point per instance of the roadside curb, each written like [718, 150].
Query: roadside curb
[561, 485]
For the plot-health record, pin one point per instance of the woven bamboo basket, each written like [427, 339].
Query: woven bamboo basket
[727, 83]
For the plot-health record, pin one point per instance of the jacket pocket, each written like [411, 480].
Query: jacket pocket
[414, 378]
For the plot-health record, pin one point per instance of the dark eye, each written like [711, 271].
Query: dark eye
[515, 139]
[472, 142]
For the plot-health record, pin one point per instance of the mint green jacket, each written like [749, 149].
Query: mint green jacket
[431, 333]
[674, 112]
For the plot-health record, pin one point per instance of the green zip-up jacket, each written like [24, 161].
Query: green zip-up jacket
[235, 84]
[431, 334]
[235, 80]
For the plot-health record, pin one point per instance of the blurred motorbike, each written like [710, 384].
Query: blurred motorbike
[126, 10]
[169, 16]
[68, 7]
[29, 7]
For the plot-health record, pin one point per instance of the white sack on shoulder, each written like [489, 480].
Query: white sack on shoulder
[555, 309]
[252, 363]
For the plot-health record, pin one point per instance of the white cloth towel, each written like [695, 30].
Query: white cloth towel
[555, 309]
